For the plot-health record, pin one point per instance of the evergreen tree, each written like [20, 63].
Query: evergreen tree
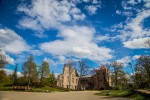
[30, 71]
[52, 79]
[15, 75]
[44, 70]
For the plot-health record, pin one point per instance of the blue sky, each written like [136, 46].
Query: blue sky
[100, 31]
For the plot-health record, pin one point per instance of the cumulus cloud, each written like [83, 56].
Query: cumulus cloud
[139, 43]
[124, 60]
[8, 58]
[41, 15]
[11, 42]
[118, 12]
[9, 71]
[92, 8]
[136, 56]
[77, 42]
[132, 33]
[135, 29]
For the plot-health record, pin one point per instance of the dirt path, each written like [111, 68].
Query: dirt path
[78, 95]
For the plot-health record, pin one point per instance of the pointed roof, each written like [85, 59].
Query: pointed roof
[102, 67]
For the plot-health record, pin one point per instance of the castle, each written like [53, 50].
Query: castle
[70, 79]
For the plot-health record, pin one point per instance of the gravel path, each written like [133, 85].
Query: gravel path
[77, 95]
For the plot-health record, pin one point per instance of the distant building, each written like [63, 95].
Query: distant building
[69, 79]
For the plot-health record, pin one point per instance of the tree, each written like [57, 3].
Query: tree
[3, 61]
[108, 66]
[83, 70]
[3, 77]
[52, 79]
[117, 68]
[44, 70]
[30, 71]
[143, 67]
[15, 75]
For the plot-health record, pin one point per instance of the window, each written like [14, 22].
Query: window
[72, 80]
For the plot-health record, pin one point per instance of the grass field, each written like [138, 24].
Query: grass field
[8, 87]
[123, 93]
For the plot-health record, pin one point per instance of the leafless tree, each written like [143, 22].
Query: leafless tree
[83, 70]
[117, 67]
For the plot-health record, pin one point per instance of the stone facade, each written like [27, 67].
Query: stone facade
[99, 81]
[69, 79]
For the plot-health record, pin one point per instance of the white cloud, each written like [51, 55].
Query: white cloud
[41, 15]
[92, 8]
[8, 58]
[125, 60]
[11, 42]
[118, 12]
[77, 42]
[136, 56]
[147, 3]
[100, 38]
[132, 2]
[137, 43]
[50, 61]
[9, 71]
[135, 29]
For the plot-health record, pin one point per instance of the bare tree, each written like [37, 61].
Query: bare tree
[117, 67]
[83, 69]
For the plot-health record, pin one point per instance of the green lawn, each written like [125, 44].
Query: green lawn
[5, 86]
[122, 93]
[8, 87]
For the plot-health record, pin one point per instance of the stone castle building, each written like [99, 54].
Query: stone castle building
[69, 79]
[99, 81]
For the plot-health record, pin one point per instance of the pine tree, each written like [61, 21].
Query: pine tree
[15, 75]
[44, 70]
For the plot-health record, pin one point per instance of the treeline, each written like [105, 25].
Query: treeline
[122, 79]
[31, 74]
[119, 77]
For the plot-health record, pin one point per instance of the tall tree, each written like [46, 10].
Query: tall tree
[143, 66]
[52, 79]
[30, 70]
[117, 68]
[44, 70]
[15, 75]
[3, 76]
[83, 69]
